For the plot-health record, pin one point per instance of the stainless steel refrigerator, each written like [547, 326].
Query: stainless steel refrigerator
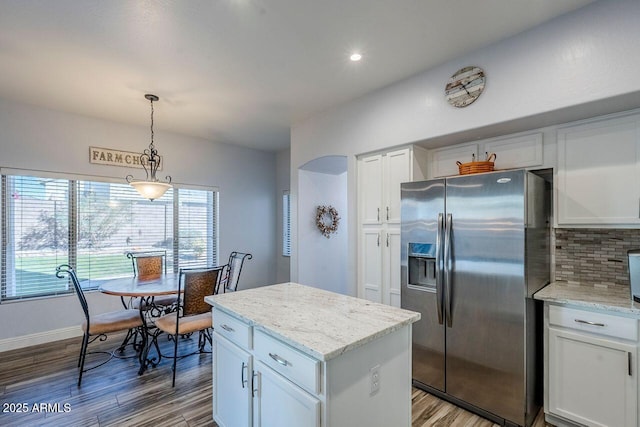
[474, 250]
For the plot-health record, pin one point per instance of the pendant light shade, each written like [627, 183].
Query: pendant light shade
[151, 188]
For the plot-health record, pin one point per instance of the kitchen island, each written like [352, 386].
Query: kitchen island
[293, 355]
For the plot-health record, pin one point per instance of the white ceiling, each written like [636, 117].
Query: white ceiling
[236, 71]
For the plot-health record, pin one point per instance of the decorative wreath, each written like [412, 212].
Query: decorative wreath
[327, 220]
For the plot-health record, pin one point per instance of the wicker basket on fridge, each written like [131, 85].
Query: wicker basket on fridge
[477, 166]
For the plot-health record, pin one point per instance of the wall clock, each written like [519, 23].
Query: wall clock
[465, 86]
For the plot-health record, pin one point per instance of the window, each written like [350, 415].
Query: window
[91, 225]
[197, 217]
[35, 235]
[112, 219]
[286, 224]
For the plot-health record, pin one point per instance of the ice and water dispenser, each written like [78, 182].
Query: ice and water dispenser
[422, 265]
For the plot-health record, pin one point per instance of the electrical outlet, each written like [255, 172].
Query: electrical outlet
[374, 376]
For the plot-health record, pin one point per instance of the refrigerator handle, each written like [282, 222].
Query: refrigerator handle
[439, 263]
[448, 294]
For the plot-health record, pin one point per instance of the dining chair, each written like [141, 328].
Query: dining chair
[98, 326]
[231, 276]
[150, 264]
[193, 313]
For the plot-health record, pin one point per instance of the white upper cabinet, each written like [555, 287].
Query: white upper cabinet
[397, 170]
[519, 151]
[380, 176]
[370, 188]
[522, 151]
[598, 178]
[443, 160]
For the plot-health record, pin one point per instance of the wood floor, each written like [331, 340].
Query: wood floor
[41, 380]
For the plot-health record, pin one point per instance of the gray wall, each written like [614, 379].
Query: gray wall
[40, 139]
[283, 170]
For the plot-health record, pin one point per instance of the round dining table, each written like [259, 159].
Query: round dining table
[147, 288]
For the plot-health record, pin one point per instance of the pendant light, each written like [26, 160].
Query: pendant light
[150, 188]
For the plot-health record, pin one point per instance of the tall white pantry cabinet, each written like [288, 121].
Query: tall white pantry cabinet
[379, 179]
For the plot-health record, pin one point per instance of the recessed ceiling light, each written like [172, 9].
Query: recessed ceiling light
[355, 57]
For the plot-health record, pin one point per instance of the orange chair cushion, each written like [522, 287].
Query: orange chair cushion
[113, 321]
[187, 324]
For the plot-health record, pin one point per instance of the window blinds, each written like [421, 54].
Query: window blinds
[35, 235]
[286, 224]
[196, 232]
[112, 219]
[91, 225]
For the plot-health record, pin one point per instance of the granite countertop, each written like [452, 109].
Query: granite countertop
[320, 323]
[613, 299]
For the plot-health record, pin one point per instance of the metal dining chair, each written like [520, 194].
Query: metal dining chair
[193, 313]
[150, 264]
[231, 276]
[98, 326]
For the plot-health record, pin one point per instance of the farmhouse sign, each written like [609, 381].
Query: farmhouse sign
[107, 156]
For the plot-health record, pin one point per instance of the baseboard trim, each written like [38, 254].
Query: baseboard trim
[39, 338]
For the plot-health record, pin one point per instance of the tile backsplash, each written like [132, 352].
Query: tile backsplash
[594, 256]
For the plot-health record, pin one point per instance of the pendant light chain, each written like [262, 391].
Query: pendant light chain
[151, 145]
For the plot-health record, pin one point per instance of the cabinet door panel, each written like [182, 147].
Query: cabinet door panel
[516, 152]
[599, 173]
[370, 182]
[398, 170]
[392, 247]
[443, 160]
[279, 402]
[371, 264]
[592, 381]
[232, 384]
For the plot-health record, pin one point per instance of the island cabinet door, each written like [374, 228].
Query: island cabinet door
[231, 384]
[278, 402]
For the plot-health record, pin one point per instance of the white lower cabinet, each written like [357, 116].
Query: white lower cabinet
[380, 265]
[591, 368]
[232, 396]
[262, 381]
[278, 402]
